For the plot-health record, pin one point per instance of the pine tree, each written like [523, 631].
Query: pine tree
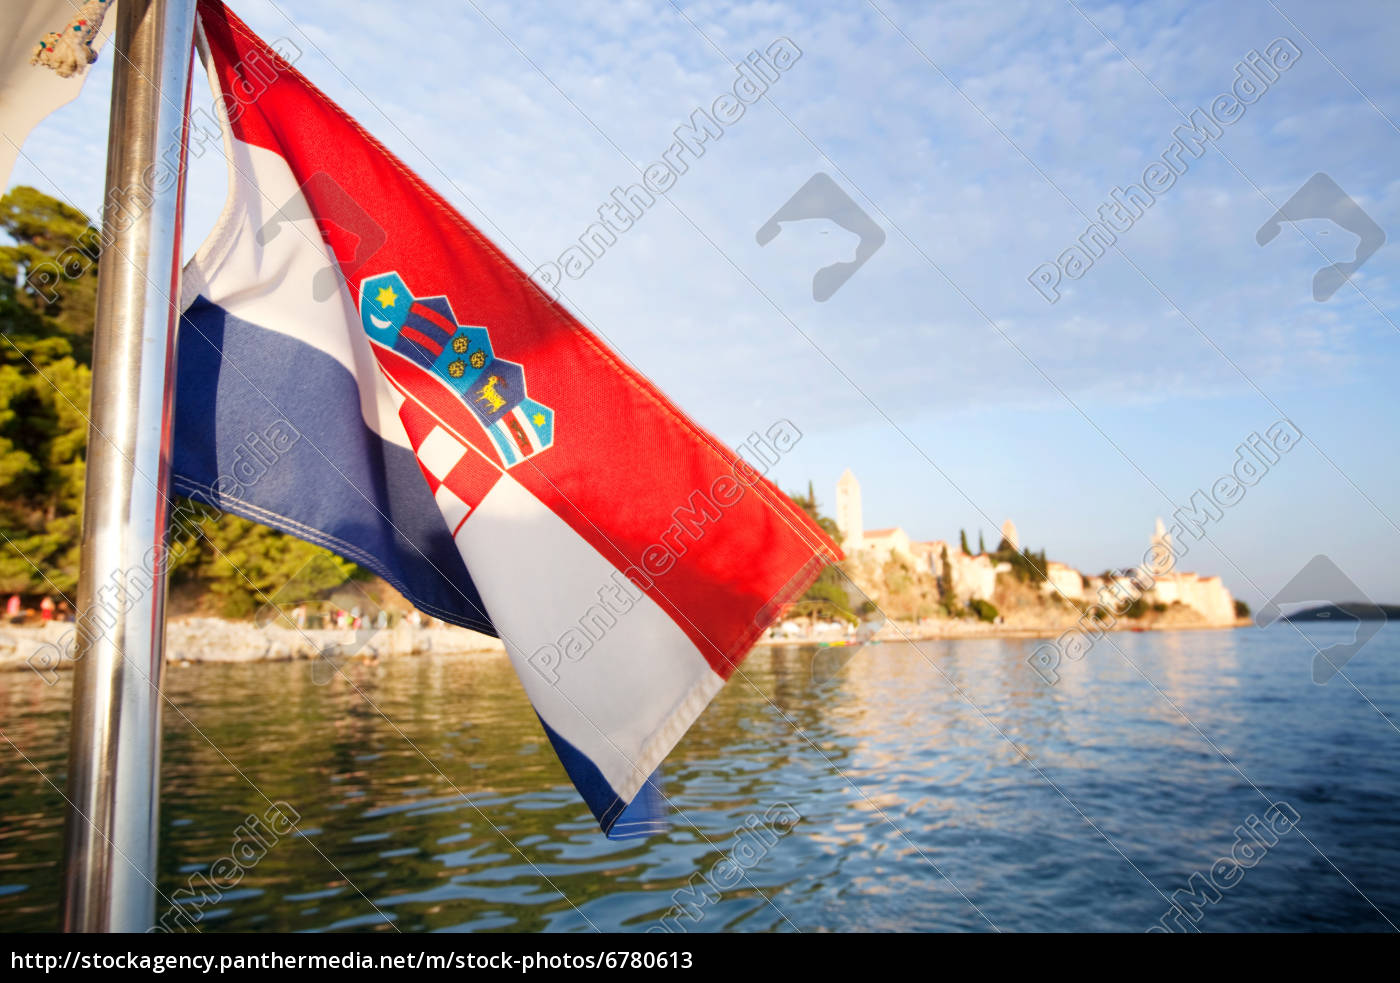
[827, 596]
[962, 540]
[245, 566]
[45, 387]
[808, 503]
[981, 544]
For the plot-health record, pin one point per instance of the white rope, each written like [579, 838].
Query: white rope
[69, 51]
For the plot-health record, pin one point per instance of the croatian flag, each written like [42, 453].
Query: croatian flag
[446, 425]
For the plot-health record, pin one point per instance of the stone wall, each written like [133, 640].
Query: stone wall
[1064, 581]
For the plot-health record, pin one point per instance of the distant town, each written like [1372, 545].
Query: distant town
[941, 586]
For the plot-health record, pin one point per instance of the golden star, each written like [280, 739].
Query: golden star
[387, 297]
[538, 419]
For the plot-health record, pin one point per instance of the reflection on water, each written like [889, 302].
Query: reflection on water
[931, 788]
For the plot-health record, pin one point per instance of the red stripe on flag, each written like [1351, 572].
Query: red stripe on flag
[518, 432]
[428, 314]
[421, 340]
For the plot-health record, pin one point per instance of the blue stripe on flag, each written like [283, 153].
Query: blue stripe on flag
[340, 485]
[644, 816]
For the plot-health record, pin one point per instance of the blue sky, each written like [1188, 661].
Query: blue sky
[978, 137]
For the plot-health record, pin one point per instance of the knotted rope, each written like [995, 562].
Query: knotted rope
[69, 51]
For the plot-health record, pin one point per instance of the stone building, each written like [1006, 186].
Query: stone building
[973, 576]
[888, 544]
[1063, 580]
[1009, 533]
[1207, 595]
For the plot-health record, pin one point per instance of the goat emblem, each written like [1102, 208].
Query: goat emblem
[487, 394]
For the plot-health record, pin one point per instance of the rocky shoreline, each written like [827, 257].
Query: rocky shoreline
[48, 649]
[950, 629]
[192, 641]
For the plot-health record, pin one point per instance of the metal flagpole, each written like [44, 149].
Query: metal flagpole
[114, 757]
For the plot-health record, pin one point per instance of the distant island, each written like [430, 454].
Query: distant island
[1347, 611]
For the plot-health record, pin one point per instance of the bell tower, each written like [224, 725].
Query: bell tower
[848, 515]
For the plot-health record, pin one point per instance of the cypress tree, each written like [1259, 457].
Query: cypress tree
[945, 579]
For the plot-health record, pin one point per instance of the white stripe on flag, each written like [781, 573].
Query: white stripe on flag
[640, 684]
[531, 434]
[270, 284]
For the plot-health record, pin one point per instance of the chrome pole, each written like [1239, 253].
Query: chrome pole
[114, 756]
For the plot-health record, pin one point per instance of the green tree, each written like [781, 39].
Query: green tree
[808, 503]
[945, 577]
[1026, 566]
[827, 597]
[1034, 565]
[981, 545]
[48, 297]
[54, 261]
[45, 385]
[962, 540]
[985, 610]
[245, 565]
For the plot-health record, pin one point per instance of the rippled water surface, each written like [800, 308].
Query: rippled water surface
[943, 787]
